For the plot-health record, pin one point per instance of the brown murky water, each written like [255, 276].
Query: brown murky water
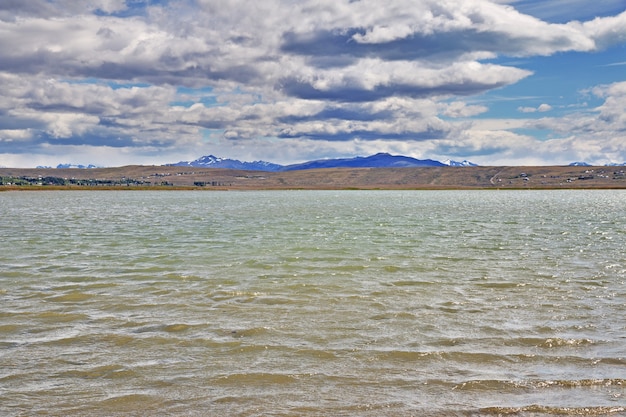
[313, 303]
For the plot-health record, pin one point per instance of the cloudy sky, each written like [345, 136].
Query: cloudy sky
[497, 82]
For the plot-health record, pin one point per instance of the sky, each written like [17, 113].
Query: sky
[495, 82]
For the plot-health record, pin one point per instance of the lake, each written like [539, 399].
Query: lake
[313, 303]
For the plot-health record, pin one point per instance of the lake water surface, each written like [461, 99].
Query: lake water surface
[313, 303]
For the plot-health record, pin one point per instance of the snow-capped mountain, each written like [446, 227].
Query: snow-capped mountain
[585, 164]
[211, 161]
[78, 166]
[464, 163]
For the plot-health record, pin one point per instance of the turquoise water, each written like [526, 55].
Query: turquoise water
[313, 303]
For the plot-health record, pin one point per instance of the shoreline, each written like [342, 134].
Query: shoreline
[44, 188]
[139, 177]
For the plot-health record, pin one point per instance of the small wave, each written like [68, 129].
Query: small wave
[254, 264]
[59, 317]
[107, 372]
[260, 379]
[9, 328]
[274, 300]
[407, 283]
[393, 315]
[148, 404]
[559, 342]
[581, 383]
[226, 295]
[252, 332]
[68, 339]
[392, 268]
[480, 385]
[168, 328]
[118, 339]
[552, 342]
[316, 353]
[488, 385]
[71, 297]
[613, 361]
[349, 268]
[500, 285]
[174, 328]
[548, 410]
[408, 356]
[9, 345]
[452, 357]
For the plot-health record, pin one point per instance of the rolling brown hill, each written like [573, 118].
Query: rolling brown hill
[515, 177]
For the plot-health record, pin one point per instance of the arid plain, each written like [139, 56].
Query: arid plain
[484, 177]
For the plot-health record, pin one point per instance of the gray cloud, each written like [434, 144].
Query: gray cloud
[306, 90]
[338, 113]
[446, 46]
[350, 135]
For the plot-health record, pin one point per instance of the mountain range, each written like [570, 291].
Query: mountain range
[379, 160]
[211, 161]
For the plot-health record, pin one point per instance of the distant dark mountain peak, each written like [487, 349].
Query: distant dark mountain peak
[379, 160]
